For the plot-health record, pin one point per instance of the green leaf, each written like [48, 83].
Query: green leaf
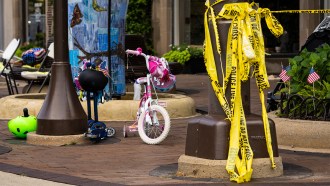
[292, 61]
[327, 85]
[297, 59]
[291, 73]
[305, 63]
[324, 55]
[295, 88]
[314, 58]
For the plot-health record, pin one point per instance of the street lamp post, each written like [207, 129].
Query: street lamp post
[61, 112]
[208, 136]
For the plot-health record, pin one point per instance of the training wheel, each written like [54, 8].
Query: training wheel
[111, 132]
[125, 131]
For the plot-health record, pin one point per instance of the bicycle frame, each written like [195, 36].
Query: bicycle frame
[147, 95]
[147, 118]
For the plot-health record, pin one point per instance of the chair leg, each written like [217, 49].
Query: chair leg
[45, 80]
[10, 76]
[15, 86]
[8, 85]
[29, 87]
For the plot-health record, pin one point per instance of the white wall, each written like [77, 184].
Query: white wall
[1, 25]
[12, 10]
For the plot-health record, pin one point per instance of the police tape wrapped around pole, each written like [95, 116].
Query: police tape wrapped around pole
[244, 49]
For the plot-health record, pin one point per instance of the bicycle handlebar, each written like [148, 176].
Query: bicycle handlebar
[134, 52]
[138, 52]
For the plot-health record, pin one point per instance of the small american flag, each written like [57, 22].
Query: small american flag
[313, 76]
[105, 72]
[283, 75]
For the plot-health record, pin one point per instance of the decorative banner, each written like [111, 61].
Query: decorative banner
[89, 39]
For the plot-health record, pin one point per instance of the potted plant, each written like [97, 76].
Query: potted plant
[191, 57]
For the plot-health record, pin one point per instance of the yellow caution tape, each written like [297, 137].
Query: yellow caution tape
[210, 61]
[245, 48]
[302, 11]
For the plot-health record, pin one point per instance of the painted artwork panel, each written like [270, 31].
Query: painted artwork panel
[90, 35]
[117, 32]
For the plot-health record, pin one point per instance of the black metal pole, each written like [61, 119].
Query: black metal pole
[109, 49]
[61, 112]
[61, 31]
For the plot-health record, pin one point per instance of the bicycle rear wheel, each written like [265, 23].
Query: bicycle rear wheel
[154, 125]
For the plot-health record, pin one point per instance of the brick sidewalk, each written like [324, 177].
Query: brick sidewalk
[128, 161]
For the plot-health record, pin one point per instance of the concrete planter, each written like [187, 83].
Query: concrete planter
[294, 133]
[177, 105]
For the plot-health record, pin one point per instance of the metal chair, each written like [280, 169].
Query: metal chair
[39, 75]
[7, 70]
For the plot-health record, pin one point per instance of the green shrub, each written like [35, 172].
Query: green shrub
[183, 53]
[300, 68]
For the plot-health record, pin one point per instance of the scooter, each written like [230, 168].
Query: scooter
[92, 80]
[96, 130]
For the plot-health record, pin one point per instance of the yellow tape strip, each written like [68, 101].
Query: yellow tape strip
[302, 11]
[210, 61]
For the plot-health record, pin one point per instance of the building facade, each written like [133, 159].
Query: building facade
[10, 21]
[174, 21]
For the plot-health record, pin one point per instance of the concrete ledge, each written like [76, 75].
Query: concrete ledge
[177, 105]
[301, 133]
[45, 140]
[204, 168]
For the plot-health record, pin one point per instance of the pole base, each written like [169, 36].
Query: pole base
[46, 140]
[189, 166]
[61, 112]
[208, 137]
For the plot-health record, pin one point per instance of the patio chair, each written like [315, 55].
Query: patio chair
[7, 70]
[41, 74]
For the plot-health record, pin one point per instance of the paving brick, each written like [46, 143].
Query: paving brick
[128, 161]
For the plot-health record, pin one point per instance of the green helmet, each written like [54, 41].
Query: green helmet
[21, 125]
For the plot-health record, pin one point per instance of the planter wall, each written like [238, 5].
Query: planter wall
[194, 66]
[301, 133]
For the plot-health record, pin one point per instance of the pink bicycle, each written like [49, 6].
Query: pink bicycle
[153, 121]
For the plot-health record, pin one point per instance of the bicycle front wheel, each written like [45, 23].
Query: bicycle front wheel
[154, 125]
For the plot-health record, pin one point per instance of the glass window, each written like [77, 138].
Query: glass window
[289, 41]
[36, 22]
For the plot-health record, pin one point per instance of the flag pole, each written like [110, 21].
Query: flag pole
[313, 92]
[289, 83]
[314, 97]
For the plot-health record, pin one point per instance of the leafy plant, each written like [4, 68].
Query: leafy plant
[196, 52]
[300, 68]
[183, 53]
[298, 85]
